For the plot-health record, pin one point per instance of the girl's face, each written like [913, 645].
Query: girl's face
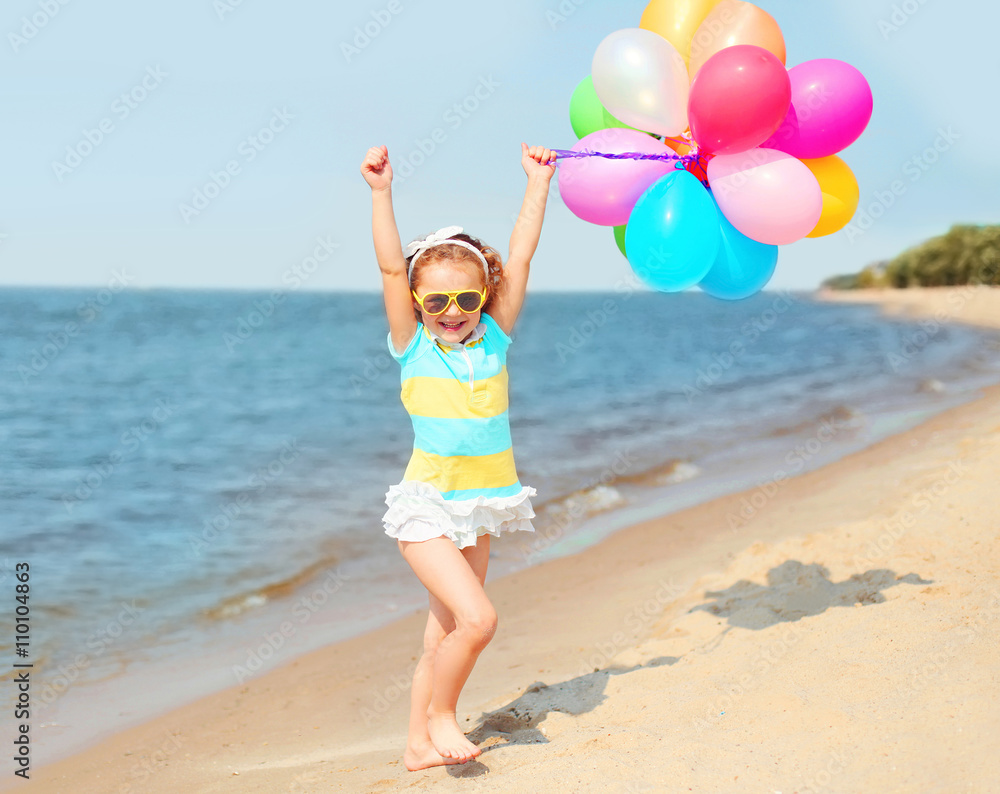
[453, 325]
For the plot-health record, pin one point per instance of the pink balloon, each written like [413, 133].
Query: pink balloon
[738, 98]
[603, 191]
[768, 195]
[831, 106]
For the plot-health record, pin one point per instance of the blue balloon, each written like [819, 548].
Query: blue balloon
[742, 267]
[672, 236]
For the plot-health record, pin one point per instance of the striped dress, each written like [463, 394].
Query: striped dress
[461, 480]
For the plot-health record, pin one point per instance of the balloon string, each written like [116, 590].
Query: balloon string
[682, 160]
[563, 154]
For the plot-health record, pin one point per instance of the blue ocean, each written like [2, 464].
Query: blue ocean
[196, 478]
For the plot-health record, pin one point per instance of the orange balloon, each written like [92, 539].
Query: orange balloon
[734, 22]
[676, 21]
[696, 168]
[841, 194]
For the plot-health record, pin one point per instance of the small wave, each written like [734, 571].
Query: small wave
[243, 602]
[842, 416]
[672, 471]
[931, 386]
[586, 502]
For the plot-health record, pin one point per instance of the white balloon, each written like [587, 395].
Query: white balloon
[642, 80]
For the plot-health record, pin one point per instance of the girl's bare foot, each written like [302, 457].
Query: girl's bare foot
[425, 756]
[448, 738]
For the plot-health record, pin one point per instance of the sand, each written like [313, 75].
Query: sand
[973, 304]
[839, 634]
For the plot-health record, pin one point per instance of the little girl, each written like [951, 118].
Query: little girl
[451, 305]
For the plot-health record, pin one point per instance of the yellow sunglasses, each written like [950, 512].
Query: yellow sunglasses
[435, 303]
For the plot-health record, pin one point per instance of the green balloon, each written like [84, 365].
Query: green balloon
[587, 114]
[620, 239]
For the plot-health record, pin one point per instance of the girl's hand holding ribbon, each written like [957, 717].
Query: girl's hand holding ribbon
[538, 161]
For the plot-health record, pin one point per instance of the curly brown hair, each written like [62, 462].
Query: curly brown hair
[461, 255]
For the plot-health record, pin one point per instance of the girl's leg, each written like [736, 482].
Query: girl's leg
[446, 574]
[420, 752]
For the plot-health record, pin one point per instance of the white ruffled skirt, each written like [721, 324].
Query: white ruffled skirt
[417, 511]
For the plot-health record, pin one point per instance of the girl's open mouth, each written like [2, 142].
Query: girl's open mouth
[453, 326]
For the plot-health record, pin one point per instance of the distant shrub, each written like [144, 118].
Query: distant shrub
[964, 255]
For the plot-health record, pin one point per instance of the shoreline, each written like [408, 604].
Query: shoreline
[356, 677]
[972, 304]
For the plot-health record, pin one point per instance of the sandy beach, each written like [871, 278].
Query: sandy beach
[834, 631]
[973, 304]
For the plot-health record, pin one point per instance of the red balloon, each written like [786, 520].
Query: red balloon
[738, 99]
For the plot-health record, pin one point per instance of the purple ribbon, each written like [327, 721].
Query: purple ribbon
[562, 154]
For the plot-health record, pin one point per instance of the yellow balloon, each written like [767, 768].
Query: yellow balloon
[676, 21]
[840, 194]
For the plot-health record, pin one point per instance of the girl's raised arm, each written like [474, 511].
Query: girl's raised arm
[539, 165]
[388, 249]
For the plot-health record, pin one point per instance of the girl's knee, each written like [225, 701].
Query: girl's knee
[482, 625]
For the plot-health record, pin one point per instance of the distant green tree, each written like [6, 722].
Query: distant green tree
[849, 281]
[964, 255]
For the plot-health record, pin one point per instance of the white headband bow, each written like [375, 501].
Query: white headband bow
[441, 237]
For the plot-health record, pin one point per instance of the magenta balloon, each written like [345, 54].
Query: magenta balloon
[604, 191]
[831, 106]
[738, 98]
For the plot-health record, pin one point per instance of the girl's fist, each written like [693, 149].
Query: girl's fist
[376, 168]
[538, 160]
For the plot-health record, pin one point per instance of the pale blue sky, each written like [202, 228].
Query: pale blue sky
[216, 77]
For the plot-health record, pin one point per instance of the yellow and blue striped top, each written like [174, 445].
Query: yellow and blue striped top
[456, 396]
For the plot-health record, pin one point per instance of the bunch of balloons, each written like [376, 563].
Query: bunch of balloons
[704, 152]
